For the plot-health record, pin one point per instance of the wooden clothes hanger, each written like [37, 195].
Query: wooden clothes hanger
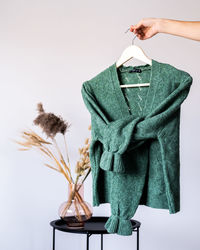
[133, 51]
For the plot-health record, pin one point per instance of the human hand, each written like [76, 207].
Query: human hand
[146, 28]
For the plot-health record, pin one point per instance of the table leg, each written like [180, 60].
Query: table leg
[87, 242]
[138, 238]
[53, 238]
[101, 241]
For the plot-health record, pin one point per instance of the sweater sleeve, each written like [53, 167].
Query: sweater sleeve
[154, 123]
[127, 133]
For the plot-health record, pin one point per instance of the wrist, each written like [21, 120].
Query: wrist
[162, 25]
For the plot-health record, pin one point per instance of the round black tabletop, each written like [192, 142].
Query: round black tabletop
[95, 225]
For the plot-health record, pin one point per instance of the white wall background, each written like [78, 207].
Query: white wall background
[47, 49]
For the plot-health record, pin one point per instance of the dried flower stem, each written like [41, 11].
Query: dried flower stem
[75, 194]
[84, 179]
[52, 167]
[67, 154]
[59, 165]
[76, 208]
[50, 154]
[62, 159]
[84, 205]
[75, 184]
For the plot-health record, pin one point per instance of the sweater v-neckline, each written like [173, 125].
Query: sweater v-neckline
[154, 79]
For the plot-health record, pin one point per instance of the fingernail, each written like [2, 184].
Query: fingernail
[131, 28]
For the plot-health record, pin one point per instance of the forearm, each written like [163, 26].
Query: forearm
[187, 29]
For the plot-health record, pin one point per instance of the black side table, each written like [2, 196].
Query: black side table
[95, 225]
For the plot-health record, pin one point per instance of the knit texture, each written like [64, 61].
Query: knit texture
[134, 150]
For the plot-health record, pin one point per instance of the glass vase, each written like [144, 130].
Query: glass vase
[75, 211]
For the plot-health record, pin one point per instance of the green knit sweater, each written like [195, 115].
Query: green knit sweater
[134, 149]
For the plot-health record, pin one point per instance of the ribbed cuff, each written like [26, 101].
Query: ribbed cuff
[118, 225]
[111, 161]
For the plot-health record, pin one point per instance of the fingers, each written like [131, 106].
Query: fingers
[146, 28]
[138, 26]
[132, 28]
[139, 30]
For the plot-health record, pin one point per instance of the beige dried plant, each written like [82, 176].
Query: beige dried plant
[51, 125]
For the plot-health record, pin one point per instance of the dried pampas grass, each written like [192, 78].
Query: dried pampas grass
[51, 125]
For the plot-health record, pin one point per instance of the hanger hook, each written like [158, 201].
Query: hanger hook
[133, 37]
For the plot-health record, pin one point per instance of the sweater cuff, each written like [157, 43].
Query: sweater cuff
[111, 161]
[118, 225]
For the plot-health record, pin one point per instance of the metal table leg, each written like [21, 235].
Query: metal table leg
[101, 241]
[88, 236]
[87, 241]
[138, 238]
[53, 238]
